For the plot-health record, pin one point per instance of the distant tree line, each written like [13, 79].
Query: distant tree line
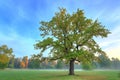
[37, 61]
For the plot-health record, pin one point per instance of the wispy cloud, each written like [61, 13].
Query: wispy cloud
[112, 39]
[22, 46]
[111, 44]
[113, 15]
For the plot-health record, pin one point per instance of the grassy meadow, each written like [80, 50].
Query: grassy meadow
[58, 75]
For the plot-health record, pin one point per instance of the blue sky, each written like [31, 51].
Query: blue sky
[19, 21]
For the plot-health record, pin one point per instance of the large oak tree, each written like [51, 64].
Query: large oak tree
[71, 37]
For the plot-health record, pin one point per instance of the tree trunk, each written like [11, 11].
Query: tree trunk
[71, 67]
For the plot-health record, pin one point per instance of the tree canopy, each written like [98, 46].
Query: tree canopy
[71, 37]
[5, 54]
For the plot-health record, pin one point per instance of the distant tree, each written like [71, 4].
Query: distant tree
[35, 61]
[25, 60]
[89, 65]
[45, 64]
[3, 61]
[115, 63]
[71, 37]
[11, 62]
[17, 62]
[22, 64]
[5, 54]
[59, 64]
[104, 61]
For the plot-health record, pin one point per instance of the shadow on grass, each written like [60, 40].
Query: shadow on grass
[93, 77]
[76, 77]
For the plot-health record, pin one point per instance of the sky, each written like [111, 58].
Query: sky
[19, 22]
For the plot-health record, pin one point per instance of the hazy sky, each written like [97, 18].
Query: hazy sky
[19, 21]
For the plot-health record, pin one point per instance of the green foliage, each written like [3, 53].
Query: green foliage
[3, 65]
[17, 62]
[11, 62]
[35, 61]
[59, 64]
[87, 66]
[70, 36]
[115, 63]
[5, 54]
[67, 34]
[34, 64]
[104, 61]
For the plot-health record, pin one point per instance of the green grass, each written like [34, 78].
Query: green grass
[58, 75]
